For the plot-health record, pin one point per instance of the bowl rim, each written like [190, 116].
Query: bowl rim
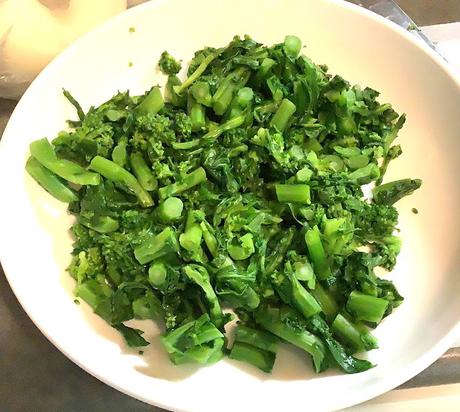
[386, 384]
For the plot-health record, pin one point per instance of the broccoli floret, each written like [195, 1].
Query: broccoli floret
[332, 188]
[376, 221]
[118, 251]
[84, 238]
[87, 264]
[388, 250]
[155, 152]
[136, 220]
[95, 128]
[152, 126]
[182, 125]
[168, 64]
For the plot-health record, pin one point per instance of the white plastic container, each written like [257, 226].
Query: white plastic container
[32, 32]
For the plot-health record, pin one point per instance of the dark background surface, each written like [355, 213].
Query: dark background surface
[36, 377]
[427, 12]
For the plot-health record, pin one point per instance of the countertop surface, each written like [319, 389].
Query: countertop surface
[35, 376]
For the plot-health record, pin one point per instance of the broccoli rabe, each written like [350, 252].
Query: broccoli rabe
[239, 188]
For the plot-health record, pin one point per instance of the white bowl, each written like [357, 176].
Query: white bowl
[357, 44]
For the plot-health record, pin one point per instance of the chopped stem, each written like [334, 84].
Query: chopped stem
[358, 340]
[298, 193]
[245, 96]
[228, 125]
[191, 144]
[157, 274]
[317, 253]
[160, 245]
[196, 74]
[202, 93]
[302, 300]
[119, 153]
[49, 181]
[115, 173]
[365, 174]
[258, 338]
[223, 101]
[191, 238]
[209, 238]
[270, 320]
[143, 172]
[260, 358]
[366, 307]
[170, 210]
[101, 224]
[325, 300]
[171, 95]
[188, 181]
[44, 153]
[292, 45]
[197, 115]
[153, 102]
[283, 246]
[283, 114]
[224, 93]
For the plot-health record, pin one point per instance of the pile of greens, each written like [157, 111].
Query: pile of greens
[240, 189]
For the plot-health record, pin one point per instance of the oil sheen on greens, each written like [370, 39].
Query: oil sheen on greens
[238, 187]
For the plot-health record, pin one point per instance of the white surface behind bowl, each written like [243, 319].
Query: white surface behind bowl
[363, 48]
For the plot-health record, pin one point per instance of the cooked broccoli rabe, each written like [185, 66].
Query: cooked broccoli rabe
[241, 188]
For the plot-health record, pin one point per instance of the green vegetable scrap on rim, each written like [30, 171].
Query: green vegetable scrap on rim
[239, 187]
